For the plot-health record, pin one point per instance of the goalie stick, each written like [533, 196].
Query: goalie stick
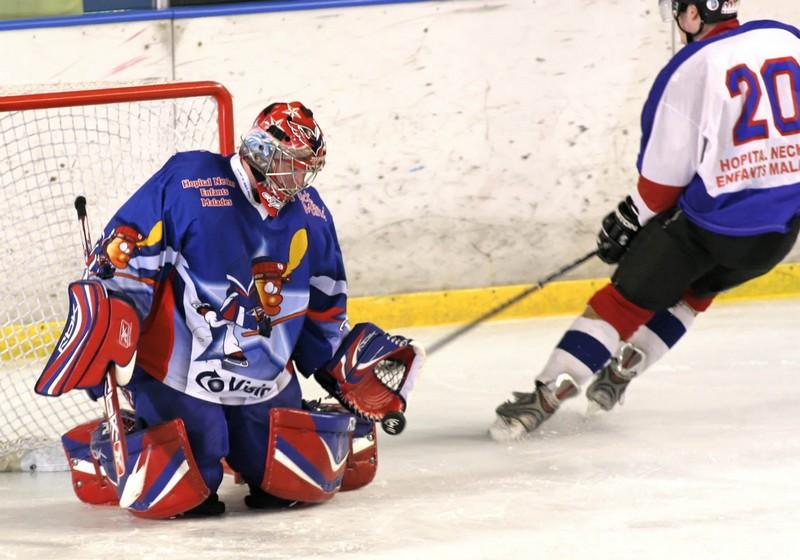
[444, 341]
[116, 426]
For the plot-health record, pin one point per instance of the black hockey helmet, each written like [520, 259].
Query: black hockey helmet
[711, 11]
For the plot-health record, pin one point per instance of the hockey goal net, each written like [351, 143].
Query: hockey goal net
[101, 143]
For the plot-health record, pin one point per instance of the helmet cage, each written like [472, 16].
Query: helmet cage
[280, 171]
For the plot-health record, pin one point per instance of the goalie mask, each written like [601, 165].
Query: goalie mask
[285, 150]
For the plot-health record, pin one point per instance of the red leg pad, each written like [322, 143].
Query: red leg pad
[161, 477]
[362, 463]
[164, 479]
[306, 454]
[89, 480]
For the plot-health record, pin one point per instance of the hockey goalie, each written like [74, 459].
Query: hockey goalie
[217, 283]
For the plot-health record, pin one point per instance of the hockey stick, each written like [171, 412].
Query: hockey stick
[442, 342]
[277, 321]
[116, 427]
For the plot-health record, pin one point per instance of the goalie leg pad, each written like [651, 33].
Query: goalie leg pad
[362, 462]
[101, 328]
[89, 480]
[307, 454]
[162, 478]
[372, 372]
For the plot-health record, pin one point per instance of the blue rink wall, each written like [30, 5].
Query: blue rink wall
[472, 144]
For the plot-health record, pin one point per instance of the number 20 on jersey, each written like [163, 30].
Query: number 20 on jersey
[742, 80]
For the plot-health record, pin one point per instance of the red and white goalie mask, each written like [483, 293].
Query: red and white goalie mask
[284, 150]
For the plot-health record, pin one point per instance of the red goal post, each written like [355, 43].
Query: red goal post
[128, 94]
[99, 142]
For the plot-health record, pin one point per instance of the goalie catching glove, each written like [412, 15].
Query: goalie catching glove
[372, 372]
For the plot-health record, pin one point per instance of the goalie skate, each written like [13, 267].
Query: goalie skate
[519, 417]
[610, 383]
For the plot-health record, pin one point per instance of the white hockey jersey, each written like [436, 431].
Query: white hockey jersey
[721, 131]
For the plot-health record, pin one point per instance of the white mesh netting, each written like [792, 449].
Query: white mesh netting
[47, 158]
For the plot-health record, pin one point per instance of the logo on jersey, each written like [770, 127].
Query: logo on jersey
[253, 310]
[310, 207]
[212, 382]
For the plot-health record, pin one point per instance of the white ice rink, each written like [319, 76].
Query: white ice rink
[702, 462]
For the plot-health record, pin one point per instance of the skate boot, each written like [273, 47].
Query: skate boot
[518, 418]
[258, 499]
[608, 387]
[211, 507]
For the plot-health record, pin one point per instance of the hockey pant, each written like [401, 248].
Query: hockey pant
[239, 434]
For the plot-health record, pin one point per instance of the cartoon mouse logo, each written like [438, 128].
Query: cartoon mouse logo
[119, 247]
[268, 278]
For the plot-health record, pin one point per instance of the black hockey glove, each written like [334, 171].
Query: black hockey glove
[619, 228]
[263, 321]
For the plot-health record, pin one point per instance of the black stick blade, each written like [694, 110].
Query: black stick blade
[80, 206]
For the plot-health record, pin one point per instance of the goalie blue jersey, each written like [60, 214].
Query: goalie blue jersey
[721, 131]
[228, 297]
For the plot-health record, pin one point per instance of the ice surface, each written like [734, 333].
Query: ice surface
[703, 461]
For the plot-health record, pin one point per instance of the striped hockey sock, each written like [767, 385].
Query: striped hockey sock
[662, 332]
[584, 348]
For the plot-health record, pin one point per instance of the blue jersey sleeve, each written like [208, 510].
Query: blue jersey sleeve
[326, 318]
[139, 244]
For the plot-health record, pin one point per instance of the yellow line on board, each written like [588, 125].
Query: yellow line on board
[559, 298]
[439, 308]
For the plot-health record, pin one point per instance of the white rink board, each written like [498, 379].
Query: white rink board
[471, 143]
[700, 463]
[461, 134]
[94, 53]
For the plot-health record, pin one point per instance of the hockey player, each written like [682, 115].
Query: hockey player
[238, 286]
[716, 204]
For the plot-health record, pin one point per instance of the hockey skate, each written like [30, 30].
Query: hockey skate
[258, 499]
[610, 383]
[518, 418]
[211, 507]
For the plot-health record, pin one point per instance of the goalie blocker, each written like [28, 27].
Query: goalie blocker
[372, 373]
[102, 329]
